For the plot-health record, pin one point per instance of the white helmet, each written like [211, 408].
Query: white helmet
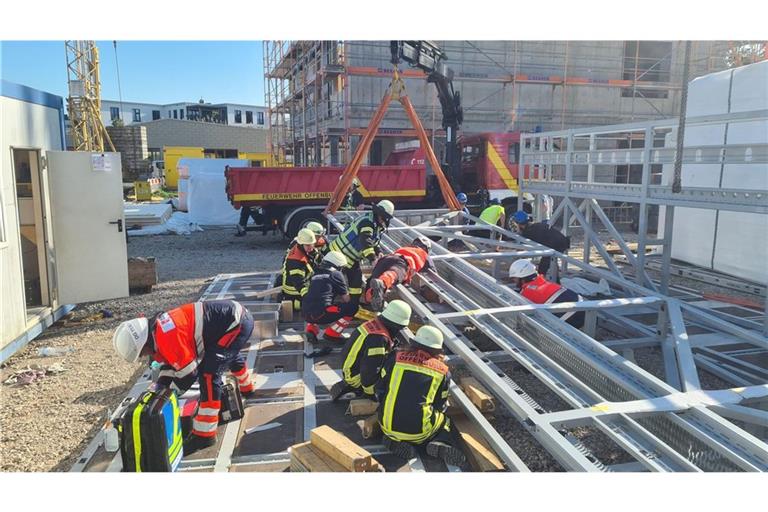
[306, 237]
[522, 268]
[335, 258]
[316, 228]
[423, 242]
[429, 337]
[130, 337]
[398, 312]
[387, 205]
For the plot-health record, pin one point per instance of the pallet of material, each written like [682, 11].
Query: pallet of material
[330, 451]
[146, 214]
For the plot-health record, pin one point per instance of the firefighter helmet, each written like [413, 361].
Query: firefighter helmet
[520, 217]
[335, 259]
[130, 337]
[316, 228]
[398, 312]
[306, 237]
[384, 209]
[430, 337]
[522, 268]
[423, 242]
[461, 197]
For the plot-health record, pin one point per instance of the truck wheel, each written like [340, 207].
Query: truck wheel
[301, 219]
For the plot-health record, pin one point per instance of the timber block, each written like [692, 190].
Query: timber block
[479, 453]
[477, 393]
[339, 447]
[307, 459]
[286, 311]
[370, 426]
[362, 407]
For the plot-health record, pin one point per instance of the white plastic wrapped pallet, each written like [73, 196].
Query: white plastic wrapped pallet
[734, 243]
[206, 196]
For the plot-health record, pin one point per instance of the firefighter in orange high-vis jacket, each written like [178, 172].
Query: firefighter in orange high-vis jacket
[398, 267]
[199, 341]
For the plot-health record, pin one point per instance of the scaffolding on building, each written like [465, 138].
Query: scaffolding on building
[322, 94]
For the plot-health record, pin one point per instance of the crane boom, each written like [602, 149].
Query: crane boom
[428, 57]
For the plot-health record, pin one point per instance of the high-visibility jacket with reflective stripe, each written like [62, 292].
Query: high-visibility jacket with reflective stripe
[321, 249]
[492, 214]
[182, 335]
[416, 258]
[413, 393]
[359, 240]
[541, 291]
[297, 270]
[364, 354]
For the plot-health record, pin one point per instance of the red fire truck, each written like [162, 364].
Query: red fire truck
[290, 197]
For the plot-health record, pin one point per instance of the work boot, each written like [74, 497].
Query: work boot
[377, 294]
[399, 448]
[340, 389]
[311, 331]
[311, 338]
[195, 443]
[240, 230]
[443, 450]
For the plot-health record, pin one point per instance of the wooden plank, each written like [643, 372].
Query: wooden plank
[286, 311]
[370, 426]
[341, 449]
[304, 457]
[479, 396]
[476, 448]
[362, 407]
[265, 293]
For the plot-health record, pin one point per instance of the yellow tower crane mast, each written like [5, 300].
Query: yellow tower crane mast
[84, 101]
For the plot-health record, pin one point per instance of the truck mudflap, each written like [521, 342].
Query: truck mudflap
[263, 186]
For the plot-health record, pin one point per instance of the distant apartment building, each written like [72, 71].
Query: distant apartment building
[248, 116]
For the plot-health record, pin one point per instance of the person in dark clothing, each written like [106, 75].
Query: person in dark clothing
[365, 351]
[544, 234]
[413, 393]
[327, 300]
[245, 212]
[354, 199]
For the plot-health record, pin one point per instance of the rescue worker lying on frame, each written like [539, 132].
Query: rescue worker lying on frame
[364, 352]
[395, 268]
[197, 341]
[327, 300]
[360, 240]
[532, 285]
[413, 393]
[298, 267]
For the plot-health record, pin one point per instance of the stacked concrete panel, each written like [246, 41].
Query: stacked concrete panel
[131, 143]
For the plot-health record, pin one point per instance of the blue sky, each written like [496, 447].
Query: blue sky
[150, 71]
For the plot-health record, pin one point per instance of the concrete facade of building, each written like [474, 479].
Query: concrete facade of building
[174, 132]
[235, 114]
[322, 94]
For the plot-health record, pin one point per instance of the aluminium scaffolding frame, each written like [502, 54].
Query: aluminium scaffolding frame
[570, 166]
[660, 425]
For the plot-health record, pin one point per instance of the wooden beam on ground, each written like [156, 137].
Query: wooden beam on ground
[477, 393]
[266, 293]
[306, 458]
[362, 407]
[479, 454]
[341, 449]
[370, 426]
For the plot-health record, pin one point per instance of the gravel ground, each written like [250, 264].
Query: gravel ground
[45, 426]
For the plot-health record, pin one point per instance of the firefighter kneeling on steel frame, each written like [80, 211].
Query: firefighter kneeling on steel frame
[361, 240]
[199, 341]
[366, 349]
[413, 394]
[395, 268]
[327, 300]
[298, 267]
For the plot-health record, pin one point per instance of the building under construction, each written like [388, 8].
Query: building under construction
[322, 94]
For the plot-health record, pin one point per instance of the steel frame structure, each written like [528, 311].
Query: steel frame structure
[564, 164]
[664, 425]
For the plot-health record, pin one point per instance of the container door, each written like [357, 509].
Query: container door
[86, 197]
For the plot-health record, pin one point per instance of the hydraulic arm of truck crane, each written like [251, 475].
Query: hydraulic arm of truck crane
[428, 57]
